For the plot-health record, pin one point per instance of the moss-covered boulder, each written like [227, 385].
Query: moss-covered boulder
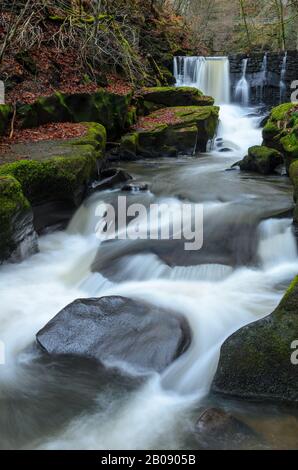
[255, 362]
[17, 235]
[261, 159]
[56, 178]
[176, 96]
[5, 116]
[111, 110]
[171, 131]
[281, 131]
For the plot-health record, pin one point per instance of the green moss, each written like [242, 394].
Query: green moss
[61, 177]
[108, 109]
[12, 203]
[279, 112]
[281, 131]
[176, 96]
[131, 117]
[256, 361]
[261, 159]
[5, 116]
[129, 145]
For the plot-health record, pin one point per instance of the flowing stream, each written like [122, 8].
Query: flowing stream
[248, 259]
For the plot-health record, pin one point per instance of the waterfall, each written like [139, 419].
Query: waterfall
[262, 78]
[242, 90]
[210, 74]
[282, 85]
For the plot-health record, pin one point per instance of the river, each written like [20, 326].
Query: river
[249, 257]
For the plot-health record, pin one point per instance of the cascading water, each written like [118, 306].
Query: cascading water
[239, 276]
[282, 84]
[242, 89]
[210, 74]
[262, 79]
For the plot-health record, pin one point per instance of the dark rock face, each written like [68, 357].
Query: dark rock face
[271, 91]
[218, 429]
[17, 236]
[255, 362]
[117, 329]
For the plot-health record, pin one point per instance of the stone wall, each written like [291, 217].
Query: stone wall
[270, 95]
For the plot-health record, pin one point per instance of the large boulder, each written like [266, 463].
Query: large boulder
[176, 96]
[255, 362]
[281, 131]
[219, 429]
[109, 109]
[117, 330]
[17, 235]
[261, 159]
[171, 131]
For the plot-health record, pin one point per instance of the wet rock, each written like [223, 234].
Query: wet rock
[281, 132]
[58, 172]
[176, 96]
[261, 159]
[218, 429]
[135, 187]
[17, 236]
[117, 330]
[110, 178]
[172, 131]
[255, 362]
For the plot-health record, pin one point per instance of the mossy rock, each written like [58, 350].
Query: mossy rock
[64, 175]
[5, 117]
[176, 96]
[188, 133]
[261, 159]
[108, 109]
[16, 220]
[255, 362]
[281, 131]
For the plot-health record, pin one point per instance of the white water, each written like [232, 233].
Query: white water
[242, 90]
[282, 84]
[216, 300]
[262, 78]
[211, 75]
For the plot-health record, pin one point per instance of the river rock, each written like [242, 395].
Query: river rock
[176, 96]
[117, 329]
[258, 361]
[281, 131]
[110, 178]
[261, 159]
[218, 429]
[58, 172]
[171, 131]
[17, 235]
[135, 187]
